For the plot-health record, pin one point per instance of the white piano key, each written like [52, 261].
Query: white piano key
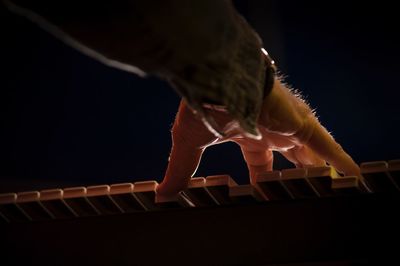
[295, 180]
[377, 177]
[75, 198]
[29, 202]
[9, 210]
[218, 187]
[198, 193]
[99, 197]
[270, 183]
[123, 195]
[321, 179]
[52, 200]
[394, 171]
[245, 194]
[347, 185]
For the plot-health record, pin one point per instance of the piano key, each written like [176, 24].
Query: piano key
[99, 197]
[394, 171]
[30, 204]
[296, 182]
[347, 185]
[271, 186]
[185, 201]
[123, 195]
[75, 198]
[245, 194]
[9, 210]
[198, 193]
[377, 177]
[218, 187]
[52, 200]
[321, 179]
[145, 192]
[3, 219]
[176, 201]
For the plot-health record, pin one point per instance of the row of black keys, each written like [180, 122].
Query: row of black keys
[378, 177]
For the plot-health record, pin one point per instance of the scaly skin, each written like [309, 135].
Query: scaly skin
[287, 125]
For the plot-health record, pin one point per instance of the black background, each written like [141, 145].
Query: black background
[68, 120]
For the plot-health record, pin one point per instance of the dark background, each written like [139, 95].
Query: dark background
[68, 120]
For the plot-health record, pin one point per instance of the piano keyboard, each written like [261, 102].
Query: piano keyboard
[212, 191]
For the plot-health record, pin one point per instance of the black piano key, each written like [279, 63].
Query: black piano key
[377, 177]
[198, 193]
[218, 187]
[52, 200]
[347, 185]
[394, 171]
[321, 179]
[296, 182]
[245, 194]
[10, 211]
[30, 204]
[123, 195]
[99, 197]
[271, 185]
[75, 198]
